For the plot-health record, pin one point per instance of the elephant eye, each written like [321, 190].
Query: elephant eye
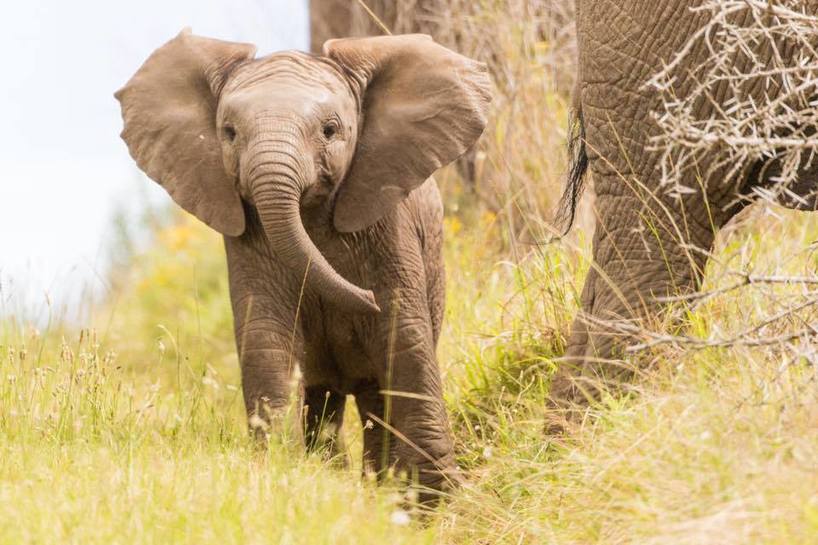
[330, 129]
[229, 132]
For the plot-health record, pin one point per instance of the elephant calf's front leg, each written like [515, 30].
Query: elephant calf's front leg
[405, 412]
[269, 356]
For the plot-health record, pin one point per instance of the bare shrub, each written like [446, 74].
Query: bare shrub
[757, 85]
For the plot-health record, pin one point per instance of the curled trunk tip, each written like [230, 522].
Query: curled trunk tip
[277, 199]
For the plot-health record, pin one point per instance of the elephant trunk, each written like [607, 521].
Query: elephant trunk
[276, 175]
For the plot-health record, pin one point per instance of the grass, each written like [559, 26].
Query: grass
[133, 429]
[717, 446]
[88, 457]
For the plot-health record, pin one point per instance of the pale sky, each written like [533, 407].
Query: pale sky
[63, 168]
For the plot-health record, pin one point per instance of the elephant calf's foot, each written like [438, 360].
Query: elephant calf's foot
[273, 423]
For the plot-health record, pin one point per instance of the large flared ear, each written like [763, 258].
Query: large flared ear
[169, 112]
[423, 106]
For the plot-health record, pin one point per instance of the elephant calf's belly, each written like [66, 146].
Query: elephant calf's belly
[335, 357]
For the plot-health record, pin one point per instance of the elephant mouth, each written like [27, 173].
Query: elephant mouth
[320, 194]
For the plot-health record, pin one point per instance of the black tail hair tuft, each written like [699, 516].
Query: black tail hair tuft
[578, 156]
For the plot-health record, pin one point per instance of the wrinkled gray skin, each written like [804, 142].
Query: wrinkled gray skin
[316, 169]
[638, 254]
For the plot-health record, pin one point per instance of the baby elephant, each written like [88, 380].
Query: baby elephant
[316, 169]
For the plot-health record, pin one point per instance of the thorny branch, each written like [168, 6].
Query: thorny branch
[749, 109]
[752, 101]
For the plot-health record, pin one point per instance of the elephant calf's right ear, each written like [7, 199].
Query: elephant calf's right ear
[169, 111]
[423, 107]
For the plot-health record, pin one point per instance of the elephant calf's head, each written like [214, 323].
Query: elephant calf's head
[359, 128]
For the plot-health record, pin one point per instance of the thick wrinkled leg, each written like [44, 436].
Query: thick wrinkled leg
[641, 256]
[411, 432]
[270, 358]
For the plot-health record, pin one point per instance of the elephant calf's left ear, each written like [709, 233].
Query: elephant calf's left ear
[423, 107]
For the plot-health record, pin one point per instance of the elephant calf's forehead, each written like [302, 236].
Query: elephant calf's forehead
[292, 67]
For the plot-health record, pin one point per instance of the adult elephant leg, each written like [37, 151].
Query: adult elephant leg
[803, 194]
[647, 244]
[328, 19]
[646, 247]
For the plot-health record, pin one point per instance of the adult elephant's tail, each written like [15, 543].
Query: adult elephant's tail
[578, 157]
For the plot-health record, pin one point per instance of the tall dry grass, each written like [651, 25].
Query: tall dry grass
[135, 433]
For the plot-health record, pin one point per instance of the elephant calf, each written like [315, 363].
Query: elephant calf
[316, 169]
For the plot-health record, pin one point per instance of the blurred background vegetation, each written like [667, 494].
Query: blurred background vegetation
[131, 428]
